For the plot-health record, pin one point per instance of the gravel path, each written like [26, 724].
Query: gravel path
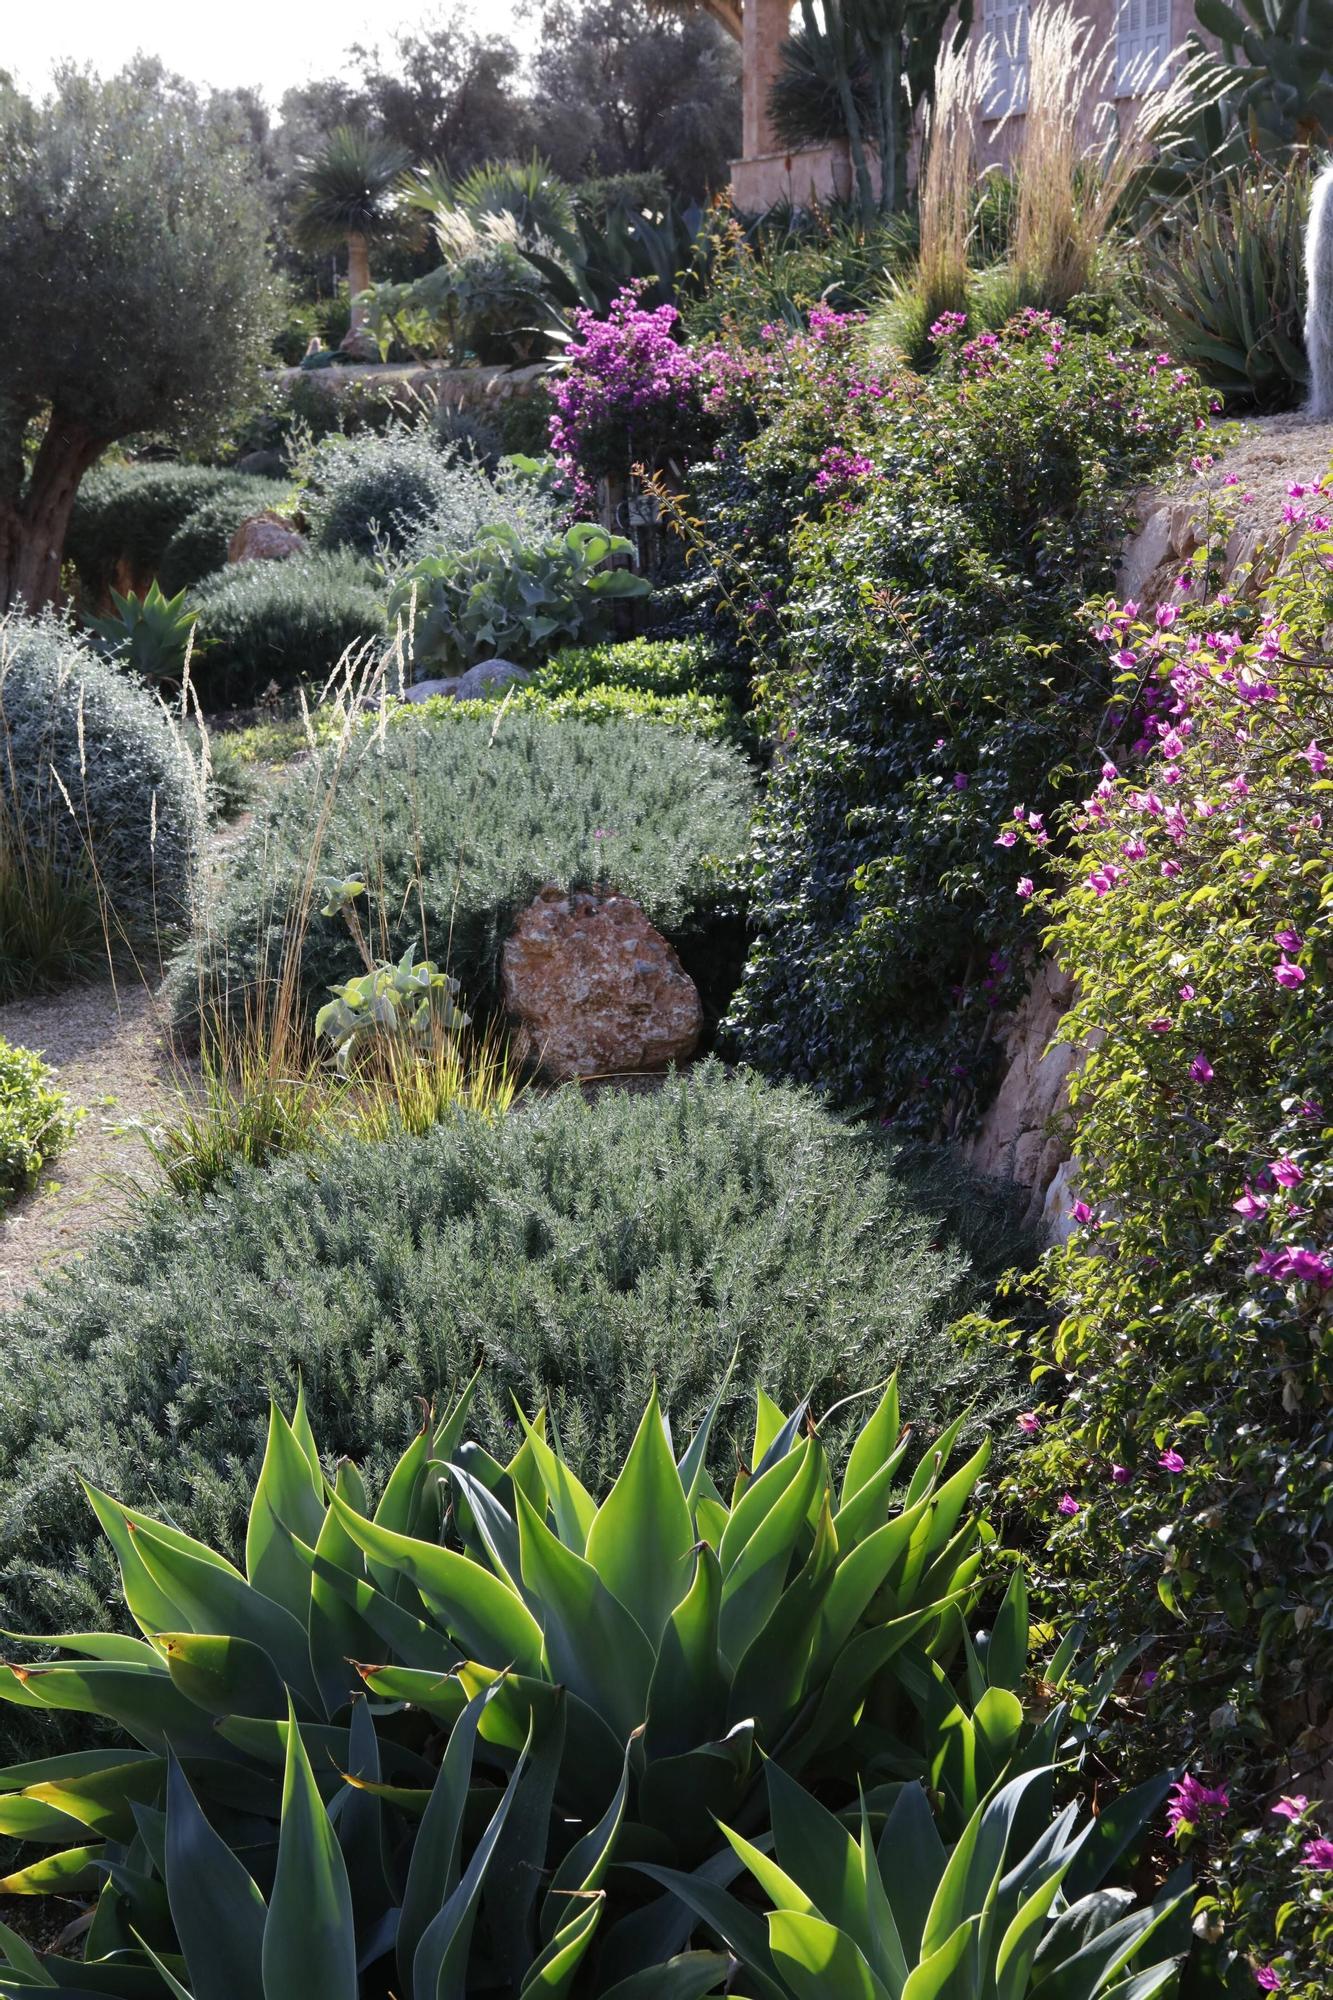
[104, 1041]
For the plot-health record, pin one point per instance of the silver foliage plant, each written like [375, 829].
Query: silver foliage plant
[1319, 296]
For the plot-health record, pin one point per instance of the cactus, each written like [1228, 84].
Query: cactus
[1319, 296]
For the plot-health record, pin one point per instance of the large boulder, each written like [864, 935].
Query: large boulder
[593, 990]
[471, 686]
[265, 537]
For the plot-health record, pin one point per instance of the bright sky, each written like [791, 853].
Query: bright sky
[270, 43]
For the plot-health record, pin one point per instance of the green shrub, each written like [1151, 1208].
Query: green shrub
[93, 777]
[455, 829]
[643, 666]
[1226, 278]
[931, 672]
[582, 1248]
[696, 714]
[514, 596]
[1195, 911]
[283, 624]
[199, 546]
[35, 1119]
[627, 1675]
[669, 681]
[408, 491]
[130, 513]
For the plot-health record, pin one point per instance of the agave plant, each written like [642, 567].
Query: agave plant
[1014, 1909]
[490, 1663]
[150, 634]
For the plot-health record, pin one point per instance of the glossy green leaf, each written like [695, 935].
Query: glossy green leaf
[290, 1492]
[819, 1962]
[309, 1945]
[216, 1908]
[687, 1696]
[875, 1442]
[225, 1676]
[689, 1976]
[593, 1644]
[640, 1542]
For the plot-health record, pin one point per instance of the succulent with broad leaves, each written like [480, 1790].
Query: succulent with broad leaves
[416, 1001]
[431, 1748]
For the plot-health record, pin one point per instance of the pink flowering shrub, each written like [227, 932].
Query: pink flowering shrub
[1190, 1374]
[632, 393]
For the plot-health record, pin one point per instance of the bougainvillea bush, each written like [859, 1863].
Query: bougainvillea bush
[1185, 1463]
[932, 666]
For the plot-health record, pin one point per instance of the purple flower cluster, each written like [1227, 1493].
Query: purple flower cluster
[629, 385]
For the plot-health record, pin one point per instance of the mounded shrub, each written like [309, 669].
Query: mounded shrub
[408, 490]
[578, 1247]
[131, 512]
[454, 827]
[282, 623]
[92, 775]
[199, 546]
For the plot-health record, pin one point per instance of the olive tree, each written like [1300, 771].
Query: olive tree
[136, 292]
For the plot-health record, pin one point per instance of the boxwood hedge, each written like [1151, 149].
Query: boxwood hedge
[578, 1247]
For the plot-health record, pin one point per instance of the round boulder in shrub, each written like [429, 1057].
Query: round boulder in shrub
[578, 1248]
[454, 826]
[199, 546]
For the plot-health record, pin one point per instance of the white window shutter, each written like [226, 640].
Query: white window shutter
[1142, 44]
[1005, 22]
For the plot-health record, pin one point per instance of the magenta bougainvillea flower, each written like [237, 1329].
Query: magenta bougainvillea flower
[1201, 1070]
[1292, 1805]
[1191, 1804]
[1171, 1461]
[1067, 1505]
[1318, 1854]
[1029, 1421]
[1267, 1978]
[1288, 974]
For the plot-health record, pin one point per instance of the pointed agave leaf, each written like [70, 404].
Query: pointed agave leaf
[934, 1977]
[831, 1862]
[741, 1930]
[593, 1644]
[20, 1957]
[912, 1859]
[1144, 1985]
[693, 1465]
[75, 1871]
[218, 1600]
[103, 1801]
[1112, 1831]
[572, 1506]
[141, 1699]
[583, 1869]
[640, 1542]
[772, 1676]
[1007, 1652]
[290, 1492]
[495, 1525]
[1093, 1968]
[515, 1873]
[337, 1631]
[819, 1962]
[309, 1945]
[1018, 1946]
[225, 1676]
[875, 1442]
[554, 1969]
[436, 1855]
[687, 1977]
[358, 1813]
[753, 1583]
[687, 1696]
[388, 1624]
[439, 1968]
[784, 1892]
[489, 1620]
[217, 1911]
[973, 1872]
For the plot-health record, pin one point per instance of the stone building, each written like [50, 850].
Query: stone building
[1143, 33]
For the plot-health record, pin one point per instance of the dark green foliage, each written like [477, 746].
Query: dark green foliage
[140, 296]
[129, 513]
[1281, 54]
[199, 545]
[939, 675]
[132, 819]
[35, 1118]
[579, 1247]
[460, 824]
[282, 623]
[1225, 274]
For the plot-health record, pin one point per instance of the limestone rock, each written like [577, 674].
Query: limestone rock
[488, 674]
[1019, 1139]
[359, 344]
[265, 537]
[594, 990]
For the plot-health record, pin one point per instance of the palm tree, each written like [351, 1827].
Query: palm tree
[348, 196]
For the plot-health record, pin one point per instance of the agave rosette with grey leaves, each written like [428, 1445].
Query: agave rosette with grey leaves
[429, 1749]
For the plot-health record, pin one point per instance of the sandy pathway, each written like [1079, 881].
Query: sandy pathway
[104, 1042]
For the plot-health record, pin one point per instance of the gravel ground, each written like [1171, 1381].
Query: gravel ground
[104, 1041]
[1270, 454]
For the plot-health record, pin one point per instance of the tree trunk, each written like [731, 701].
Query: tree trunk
[358, 275]
[33, 526]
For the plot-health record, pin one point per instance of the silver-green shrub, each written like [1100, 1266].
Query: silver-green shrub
[403, 492]
[92, 771]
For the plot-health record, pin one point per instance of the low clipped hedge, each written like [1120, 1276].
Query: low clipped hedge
[282, 624]
[454, 828]
[199, 546]
[578, 1248]
[130, 513]
[92, 777]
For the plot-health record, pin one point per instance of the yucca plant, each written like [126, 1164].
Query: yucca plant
[491, 1663]
[1014, 1909]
